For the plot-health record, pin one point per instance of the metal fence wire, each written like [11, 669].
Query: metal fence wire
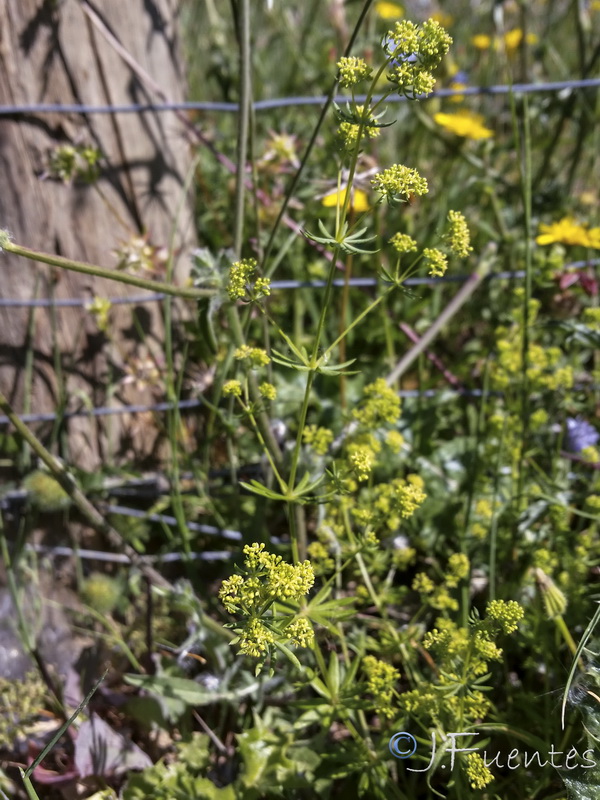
[26, 109]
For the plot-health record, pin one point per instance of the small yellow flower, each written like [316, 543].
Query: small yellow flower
[457, 86]
[437, 261]
[403, 243]
[423, 584]
[358, 200]
[445, 20]
[268, 391]
[318, 438]
[394, 440]
[100, 307]
[481, 41]
[513, 39]
[232, 388]
[464, 123]
[477, 772]
[457, 235]
[388, 10]
[353, 70]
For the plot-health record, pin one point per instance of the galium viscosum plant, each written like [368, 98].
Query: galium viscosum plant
[363, 510]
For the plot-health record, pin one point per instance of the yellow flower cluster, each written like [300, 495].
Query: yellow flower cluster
[506, 614]
[414, 52]
[591, 318]
[457, 235]
[543, 371]
[266, 579]
[100, 307]
[348, 131]
[268, 391]
[232, 388]
[318, 438]
[478, 774]
[381, 404]
[403, 243]
[256, 355]
[240, 274]
[458, 569]
[320, 558]
[353, 70]
[398, 183]
[381, 679]
[255, 639]
[240, 280]
[362, 460]
[20, 704]
[438, 262]
[387, 504]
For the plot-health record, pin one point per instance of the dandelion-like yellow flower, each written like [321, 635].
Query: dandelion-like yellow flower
[481, 41]
[387, 10]
[514, 38]
[358, 200]
[567, 231]
[445, 20]
[465, 124]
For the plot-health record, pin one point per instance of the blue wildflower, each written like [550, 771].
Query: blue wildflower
[580, 434]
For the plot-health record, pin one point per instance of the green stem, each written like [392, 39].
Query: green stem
[525, 169]
[282, 484]
[102, 272]
[262, 418]
[243, 124]
[358, 319]
[315, 134]
[566, 634]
